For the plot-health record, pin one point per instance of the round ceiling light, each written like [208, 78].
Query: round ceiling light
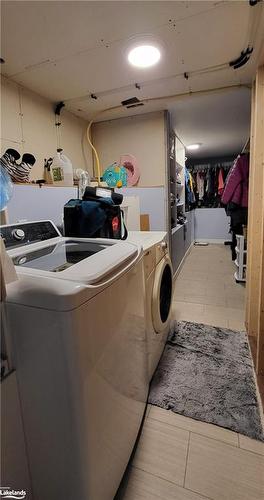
[193, 147]
[144, 56]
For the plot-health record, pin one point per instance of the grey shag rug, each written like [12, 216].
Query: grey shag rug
[206, 373]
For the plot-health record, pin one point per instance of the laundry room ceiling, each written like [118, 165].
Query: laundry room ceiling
[220, 122]
[70, 50]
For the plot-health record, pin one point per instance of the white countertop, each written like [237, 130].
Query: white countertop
[146, 238]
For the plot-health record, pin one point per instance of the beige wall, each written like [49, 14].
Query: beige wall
[28, 125]
[142, 136]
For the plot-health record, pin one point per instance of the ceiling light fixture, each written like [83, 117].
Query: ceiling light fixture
[193, 147]
[144, 56]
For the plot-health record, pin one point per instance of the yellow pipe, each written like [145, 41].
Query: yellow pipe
[98, 166]
[95, 153]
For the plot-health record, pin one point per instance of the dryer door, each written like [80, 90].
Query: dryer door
[162, 295]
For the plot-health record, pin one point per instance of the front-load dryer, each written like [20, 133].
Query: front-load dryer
[158, 279]
[77, 329]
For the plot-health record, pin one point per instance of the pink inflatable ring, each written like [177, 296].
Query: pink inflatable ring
[130, 163]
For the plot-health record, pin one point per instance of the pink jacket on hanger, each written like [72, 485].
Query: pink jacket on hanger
[236, 188]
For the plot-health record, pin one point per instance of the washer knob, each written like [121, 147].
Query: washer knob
[163, 245]
[18, 234]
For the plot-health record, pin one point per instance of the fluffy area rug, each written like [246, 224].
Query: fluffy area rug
[206, 373]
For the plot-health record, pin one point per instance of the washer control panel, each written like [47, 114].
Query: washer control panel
[16, 235]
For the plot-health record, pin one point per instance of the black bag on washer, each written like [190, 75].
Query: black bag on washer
[97, 215]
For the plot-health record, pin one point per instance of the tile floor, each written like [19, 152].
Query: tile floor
[205, 289]
[178, 458]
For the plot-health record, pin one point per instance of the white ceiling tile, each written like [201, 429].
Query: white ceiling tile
[67, 49]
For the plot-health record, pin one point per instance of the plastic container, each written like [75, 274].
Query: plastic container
[84, 180]
[6, 188]
[61, 170]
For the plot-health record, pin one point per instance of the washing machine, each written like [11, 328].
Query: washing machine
[158, 280]
[76, 324]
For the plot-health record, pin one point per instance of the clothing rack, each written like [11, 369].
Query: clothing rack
[204, 167]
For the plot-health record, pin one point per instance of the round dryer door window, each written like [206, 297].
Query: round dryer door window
[162, 295]
[165, 293]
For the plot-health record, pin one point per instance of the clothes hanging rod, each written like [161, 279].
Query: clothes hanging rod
[203, 167]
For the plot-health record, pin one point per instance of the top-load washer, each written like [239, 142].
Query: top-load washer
[76, 323]
[158, 279]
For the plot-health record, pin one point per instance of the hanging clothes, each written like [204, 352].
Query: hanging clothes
[236, 188]
[189, 191]
[200, 184]
[208, 183]
[210, 177]
[192, 188]
[221, 182]
[235, 197]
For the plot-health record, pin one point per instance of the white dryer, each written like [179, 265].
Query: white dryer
[158, 279]
[76, 321]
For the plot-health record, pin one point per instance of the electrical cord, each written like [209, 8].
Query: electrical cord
[98, 166]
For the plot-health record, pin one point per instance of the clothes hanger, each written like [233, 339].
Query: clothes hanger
[246, 148]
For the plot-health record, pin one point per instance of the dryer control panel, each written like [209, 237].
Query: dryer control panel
[17, 235]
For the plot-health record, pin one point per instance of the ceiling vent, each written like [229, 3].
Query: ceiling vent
[133, 102]
[135, 105]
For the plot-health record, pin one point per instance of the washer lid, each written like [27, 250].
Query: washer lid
[83, 260]
[64, 290]
[58, 257]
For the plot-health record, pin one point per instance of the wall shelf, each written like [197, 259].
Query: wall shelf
[238, 250]
[238, 279]
[238, 264]
[180, 234]
[240, 260]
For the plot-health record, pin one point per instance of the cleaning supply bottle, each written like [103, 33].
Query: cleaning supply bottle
[61, 170]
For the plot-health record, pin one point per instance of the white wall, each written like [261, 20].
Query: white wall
[32, 203]
[211, 224]
[142, 136]
[28, 125]
[152, 201]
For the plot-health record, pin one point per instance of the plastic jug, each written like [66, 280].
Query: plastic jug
[61, 170]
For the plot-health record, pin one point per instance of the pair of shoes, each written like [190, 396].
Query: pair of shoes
[19, 172]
